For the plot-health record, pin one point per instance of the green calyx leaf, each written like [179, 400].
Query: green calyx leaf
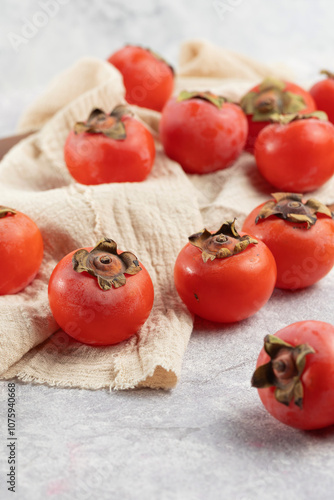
[292, 117]
[216, 100]
[271, 99]
[110, 125]
[327, 73]
[272, 83]
[4, 211]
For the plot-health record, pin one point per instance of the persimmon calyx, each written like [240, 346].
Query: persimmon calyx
[106, 264]
[293, 117]
[327, 73]
[110, 125]
[271, 98]
[214, 99]
[4, 211]
[224, 243]
[290, 206]
[283, 371]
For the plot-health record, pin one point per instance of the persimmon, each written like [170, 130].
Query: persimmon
[108, 148]
[269, 97]
[224, 276]
[202, 132]
[295, 375]
[148, 78]
[300, 235]
[100, 296]
[296, 152]
[21, 250]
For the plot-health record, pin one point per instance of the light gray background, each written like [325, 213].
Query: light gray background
[298, 33]
[209, 438]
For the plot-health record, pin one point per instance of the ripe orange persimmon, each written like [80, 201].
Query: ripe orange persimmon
[21, 250]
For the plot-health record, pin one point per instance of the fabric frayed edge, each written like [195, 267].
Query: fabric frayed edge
[147, 382]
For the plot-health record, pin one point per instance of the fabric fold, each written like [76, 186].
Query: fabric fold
[152, 219]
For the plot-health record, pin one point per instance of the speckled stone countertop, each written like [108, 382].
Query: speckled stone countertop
[209, 438]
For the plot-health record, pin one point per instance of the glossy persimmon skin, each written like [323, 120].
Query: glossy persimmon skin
[317, 377]
[297, 157]
[303, 256]
[201, 137]
[148, 81]
[95, 316]
[98, 159]
[21, 252]
[225, 290]
[323, 95]
[255, 127]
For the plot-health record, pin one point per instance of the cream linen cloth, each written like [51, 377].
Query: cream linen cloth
[152, 219]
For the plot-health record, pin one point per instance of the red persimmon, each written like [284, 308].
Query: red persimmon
[224, 276]
[295, 375]
[109, 148]
[202, 132]
[269, 97]
[300, 235]
[148, 79]
[21, 250]
[296, 154]
[323, 95]
[100, 296]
